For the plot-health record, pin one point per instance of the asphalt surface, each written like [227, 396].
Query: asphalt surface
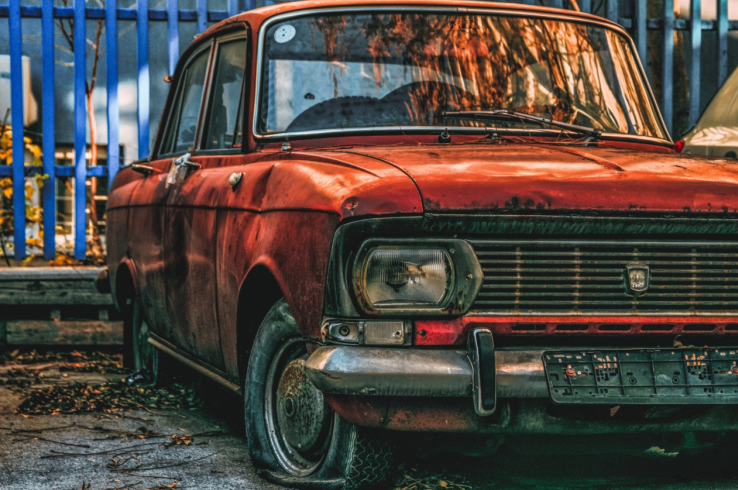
[135, 449]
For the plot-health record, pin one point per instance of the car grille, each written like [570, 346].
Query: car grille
[588, 277]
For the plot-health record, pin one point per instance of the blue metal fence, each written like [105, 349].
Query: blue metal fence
[80, 171]
[638, 23]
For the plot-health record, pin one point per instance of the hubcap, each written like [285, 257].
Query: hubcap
[298, 420]
[301, 412]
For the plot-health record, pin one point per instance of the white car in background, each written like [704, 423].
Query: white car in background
[716, 133]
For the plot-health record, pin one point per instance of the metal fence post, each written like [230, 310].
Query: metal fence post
[232, 7]
[173, 34]
[641, 34]
[722, 41]
[111, 57]
[667, 66]
[80, 131]
[16, 104]
[613, 11]
[695, 28]
[48, 138]
[144, 94]
[202, 16]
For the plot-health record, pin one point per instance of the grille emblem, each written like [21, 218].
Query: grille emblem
[637, 278]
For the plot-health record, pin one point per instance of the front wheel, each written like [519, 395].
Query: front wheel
[294, 437]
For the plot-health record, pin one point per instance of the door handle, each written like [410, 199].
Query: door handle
[142, 169]
[179, 169]
[184, 162]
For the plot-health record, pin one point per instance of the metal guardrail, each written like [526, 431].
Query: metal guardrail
[638, 24]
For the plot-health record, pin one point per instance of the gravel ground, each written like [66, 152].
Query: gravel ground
[190, 436]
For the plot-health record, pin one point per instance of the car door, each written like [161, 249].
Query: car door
[146, 225]
[191, 207]
[176, 138]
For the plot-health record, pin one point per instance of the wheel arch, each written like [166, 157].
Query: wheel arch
[125, 286]
[124, 290]
[259, 291]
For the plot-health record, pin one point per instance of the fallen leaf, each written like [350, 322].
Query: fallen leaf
[179, 440]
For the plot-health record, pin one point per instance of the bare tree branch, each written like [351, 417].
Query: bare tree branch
[96, 44]
[64, 48]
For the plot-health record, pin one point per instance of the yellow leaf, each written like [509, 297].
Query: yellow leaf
[443, 484]
[35, 150]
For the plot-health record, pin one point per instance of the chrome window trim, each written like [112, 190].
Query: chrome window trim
[512, 12]
[601, 313]
[218, 41]
[206, 46]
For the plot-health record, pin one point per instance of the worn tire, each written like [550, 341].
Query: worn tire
[371, 463]
[351, 458]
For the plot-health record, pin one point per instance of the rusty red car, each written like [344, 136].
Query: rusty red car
[373, 217]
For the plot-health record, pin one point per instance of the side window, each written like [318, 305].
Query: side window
[225, 96]
[183, 125]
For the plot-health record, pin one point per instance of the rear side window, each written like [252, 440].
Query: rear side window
[182, 130]
[226, 95]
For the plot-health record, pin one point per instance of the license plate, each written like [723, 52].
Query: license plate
[643, 376]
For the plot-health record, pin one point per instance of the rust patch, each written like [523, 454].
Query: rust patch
[599, 161]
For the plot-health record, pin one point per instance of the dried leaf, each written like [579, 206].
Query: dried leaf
[186, 440]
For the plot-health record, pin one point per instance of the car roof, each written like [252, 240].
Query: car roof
[257, 16]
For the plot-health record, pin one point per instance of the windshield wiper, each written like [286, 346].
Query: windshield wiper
[506, 114]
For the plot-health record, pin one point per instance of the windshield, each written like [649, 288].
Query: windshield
[375, 70]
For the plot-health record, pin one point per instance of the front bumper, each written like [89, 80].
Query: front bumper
[350, 370]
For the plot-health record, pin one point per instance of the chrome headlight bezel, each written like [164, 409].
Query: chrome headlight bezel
[463, 285]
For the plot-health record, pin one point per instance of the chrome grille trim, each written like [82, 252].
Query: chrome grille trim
[586, 277]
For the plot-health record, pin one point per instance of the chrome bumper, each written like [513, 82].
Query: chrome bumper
[349, 370]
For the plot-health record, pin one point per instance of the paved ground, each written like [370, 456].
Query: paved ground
[135, 449]
[129, 449]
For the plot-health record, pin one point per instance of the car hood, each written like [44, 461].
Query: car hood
[465, 178]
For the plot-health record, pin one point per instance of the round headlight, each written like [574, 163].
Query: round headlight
[407, 277]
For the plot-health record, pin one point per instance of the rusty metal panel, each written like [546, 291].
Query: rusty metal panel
[543, 178]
